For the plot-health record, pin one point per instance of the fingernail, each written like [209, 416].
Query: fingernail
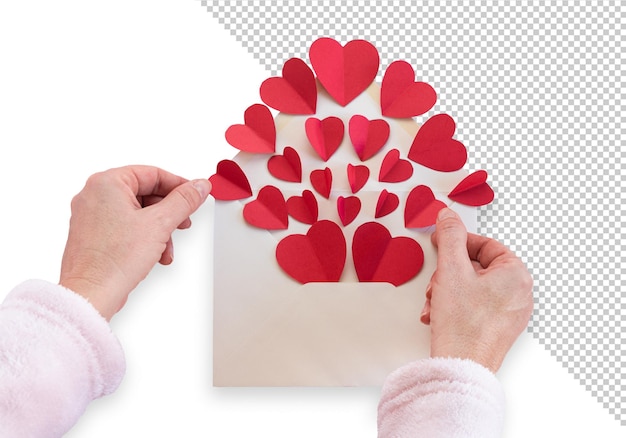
[203, 186]
[446, 213]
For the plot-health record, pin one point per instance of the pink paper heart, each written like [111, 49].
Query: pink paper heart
[293, 93]
[421, 208]
[287, 166]
[434, 147]
[324, 135]
[473, 190]
[257, 135]
[344, 71]
[386, 204]
[357, 177]
[322, 181]
[303, 208]
[229, 182]
[394, 169]
[400, 96]
[367, 136]
[348, 209]
[268, 210]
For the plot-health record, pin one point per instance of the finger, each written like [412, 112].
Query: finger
[486, 251]
[181, 202]
[450, 238]
[425, 316]
[167, 257]
[185, 224]
[149, 180]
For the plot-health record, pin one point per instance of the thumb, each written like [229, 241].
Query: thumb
[450, 238]
[181, 202]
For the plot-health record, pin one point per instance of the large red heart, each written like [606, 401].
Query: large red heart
[287, 166]
[473, 190]
[344, 71]
[268, 210]
[324, 135]
[303, 208]
[380, 258]
[322, 181]
[421, 208]
[367, 136]
[229, 182]
[318, 256]
[400, 96]
[293, 93]
[257, 135]
[386, 204]
[394, 169]
[357, 177]
[348, 209]
[434, 147]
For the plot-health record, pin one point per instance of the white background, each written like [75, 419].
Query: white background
[85, 86]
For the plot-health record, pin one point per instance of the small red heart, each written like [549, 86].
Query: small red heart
[400, 96]
[229, 182]
[293, 93]
[421, 208]
[394, 169]
[268, 210]
[380, 258]
[324, 135]
[322, 181]
[287, 166]
[473, 190]
[257, 135]
[434, 147]
[303, 208]
[357, 177]
[387, 203]
[318, 256]
[348, 209]
[344, 71]
[367, 136]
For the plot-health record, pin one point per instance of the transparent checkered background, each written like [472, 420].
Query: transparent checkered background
[537, 92]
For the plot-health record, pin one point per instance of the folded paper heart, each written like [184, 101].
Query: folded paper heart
[357, 176]
[229, 182]
[380, 258]
[386, 204]
[421, 208]
[400, 96]
[287, 166]
[268, 210]
[394, 169]
[473, 190]
[322, 181]
[325, 135]
[317, 256]
[367, 136]
[257, 134]
[293, 93]
[344, 71]
[434, 147]
[348, 209]
[303, 208]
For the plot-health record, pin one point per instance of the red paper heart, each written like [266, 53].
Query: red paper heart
[400, 96]
[421, 208]
[287, 166]
[386, 204]
[367, 136]
[324, 135]
[257, 135]
[380, 258]
[344, 71]
[318, 256]
[268, 210]
[394, 169]
[303, 208]
[293, 93]
[348, 209]
[229, 182]
[434, 147]
[473, 190]
[357, 177]
[322, 181]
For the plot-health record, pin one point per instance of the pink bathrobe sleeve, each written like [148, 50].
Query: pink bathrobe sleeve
[57, 354]
[441, 398]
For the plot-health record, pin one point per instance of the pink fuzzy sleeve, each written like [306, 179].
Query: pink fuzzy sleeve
[451, 398]
[57, 354]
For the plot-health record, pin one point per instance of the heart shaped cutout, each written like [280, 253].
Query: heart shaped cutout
[318, 256]
[473, 190]
[324, 135]
[268, 210]
[386, 204]
[380, 258]
[367, 136]
[229, 182]
[434, 147]
[421, 208]
[401, 96]
[322, 181]
[303, 208]
[344, 71]
[286, 167]
[293, 93]
[348, 209]
[257, 134]
[394, 169]
[357, 177]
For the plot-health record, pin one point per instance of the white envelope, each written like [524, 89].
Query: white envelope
[270, 330]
